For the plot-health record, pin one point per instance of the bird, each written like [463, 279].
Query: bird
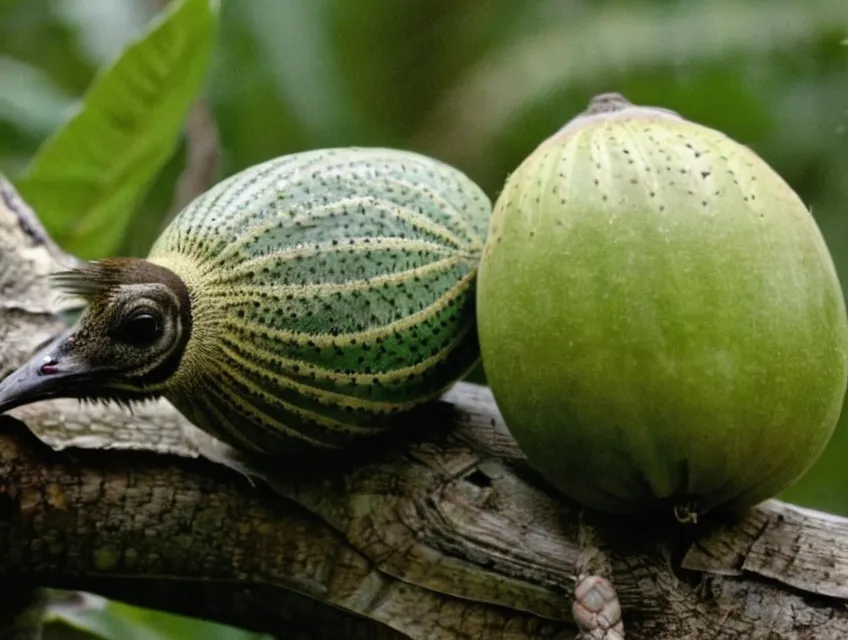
[308, 301]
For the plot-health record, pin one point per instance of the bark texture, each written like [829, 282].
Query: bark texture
[440, 533]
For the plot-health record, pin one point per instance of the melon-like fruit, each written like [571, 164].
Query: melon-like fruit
[659, 317]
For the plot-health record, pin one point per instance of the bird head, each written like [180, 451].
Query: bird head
[125, 346]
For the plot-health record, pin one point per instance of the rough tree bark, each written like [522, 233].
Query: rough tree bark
[440, 533]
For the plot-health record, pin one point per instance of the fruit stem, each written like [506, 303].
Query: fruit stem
[609, 105]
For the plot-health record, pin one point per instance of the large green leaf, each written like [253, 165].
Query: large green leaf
[105, 620]
[88, 178]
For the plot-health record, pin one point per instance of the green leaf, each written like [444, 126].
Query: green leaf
[86, 180]
[108, 620]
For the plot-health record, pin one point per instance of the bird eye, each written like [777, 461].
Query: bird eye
[140, 329]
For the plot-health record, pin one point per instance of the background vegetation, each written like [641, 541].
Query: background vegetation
[477, 83]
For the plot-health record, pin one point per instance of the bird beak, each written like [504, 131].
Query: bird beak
[54, 372]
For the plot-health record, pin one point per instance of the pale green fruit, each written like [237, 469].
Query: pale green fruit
[659, 317]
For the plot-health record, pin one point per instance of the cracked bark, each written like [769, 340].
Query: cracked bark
[441, 533]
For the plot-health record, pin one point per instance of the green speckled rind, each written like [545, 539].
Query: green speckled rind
[659, 317]
[332, 289]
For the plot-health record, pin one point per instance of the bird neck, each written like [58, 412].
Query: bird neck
[200, 351]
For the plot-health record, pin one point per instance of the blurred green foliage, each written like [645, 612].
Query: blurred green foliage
[477, 83]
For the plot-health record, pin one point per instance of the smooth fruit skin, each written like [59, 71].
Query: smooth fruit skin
[659, 317]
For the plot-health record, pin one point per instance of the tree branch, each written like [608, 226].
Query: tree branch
[439, 533]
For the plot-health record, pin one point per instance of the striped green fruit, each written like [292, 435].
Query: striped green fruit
[330, 292]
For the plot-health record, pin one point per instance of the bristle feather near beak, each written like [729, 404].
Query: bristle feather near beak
[88, 281]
